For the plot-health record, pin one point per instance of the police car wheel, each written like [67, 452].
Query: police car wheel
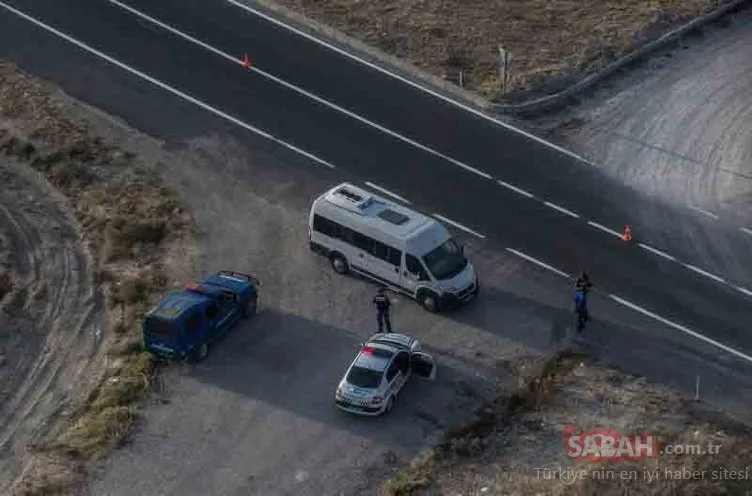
[339, 264]
[389, 404]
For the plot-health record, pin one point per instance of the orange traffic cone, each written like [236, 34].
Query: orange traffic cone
[627, 236]
[246, 61]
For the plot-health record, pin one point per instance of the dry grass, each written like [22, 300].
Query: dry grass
[130, 221]
[500, 452]
[552, 42]
[6, 283]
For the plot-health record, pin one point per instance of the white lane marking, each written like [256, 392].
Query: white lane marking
[459, 226]
[744, 290]
[657, 252]
[387, 192]
[538, 262]
[516, 189]
[405, 80]
[704, 212]
[704, 273]
[561, 209]
[681, 328]
[746, 230]
[164, 86]
[300, 91]
[604, 229]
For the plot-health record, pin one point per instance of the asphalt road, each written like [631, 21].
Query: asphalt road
[432, 182]
[431, 179]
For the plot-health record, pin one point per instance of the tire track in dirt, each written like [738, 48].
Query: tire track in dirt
[51, 321]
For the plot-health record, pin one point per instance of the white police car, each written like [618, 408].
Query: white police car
[381, 369]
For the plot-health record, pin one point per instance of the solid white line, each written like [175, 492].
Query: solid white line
[681, 328]
[538, 262]
[604, 228]
[746, 230]
[162, 85]
[458, 225]
[744, 290]
[704, 273]
[704, 212]
[516, 189]
[561, 209]
[657, 252]
[301, 91]
[387, 192]
[405, 80]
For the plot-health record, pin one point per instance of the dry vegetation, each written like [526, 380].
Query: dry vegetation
[131, 223]
[499, 452]
[552, 42]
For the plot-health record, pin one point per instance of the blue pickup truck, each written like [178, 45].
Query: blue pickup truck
[185, 322]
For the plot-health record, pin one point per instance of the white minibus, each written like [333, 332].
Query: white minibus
[402, 249]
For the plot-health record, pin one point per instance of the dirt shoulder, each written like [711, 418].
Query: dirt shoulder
[553, 44]
[93, 239]
[527, 443]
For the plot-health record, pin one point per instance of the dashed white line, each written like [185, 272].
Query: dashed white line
[405, 80]
[746, 230]
[744, 290]
[704, 273]
[301, 91]
[681, 328]
[657, 252]
[515, 189]
[561, 209]
[387, 192]
[538, 262]
[604, 228]
[162, 85]
[459, 226]
[704, 212]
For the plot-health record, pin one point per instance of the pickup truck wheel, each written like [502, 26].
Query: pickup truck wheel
[251, 307]
[202, 352]
[339, 264]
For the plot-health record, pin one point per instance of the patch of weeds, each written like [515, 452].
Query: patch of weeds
[467, 438]
[6, 284]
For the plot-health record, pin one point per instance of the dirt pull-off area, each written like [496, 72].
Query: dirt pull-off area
[84, 238]
[528, 443]
[553, 43]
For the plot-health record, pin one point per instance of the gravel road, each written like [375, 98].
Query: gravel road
[681, 124]
[50, 323]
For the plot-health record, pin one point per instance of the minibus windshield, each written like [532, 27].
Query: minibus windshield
[445, 261]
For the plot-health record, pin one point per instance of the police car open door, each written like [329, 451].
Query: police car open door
[422, 365]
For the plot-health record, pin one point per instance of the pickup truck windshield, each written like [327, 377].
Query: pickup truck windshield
[364, 378]
[445, 261]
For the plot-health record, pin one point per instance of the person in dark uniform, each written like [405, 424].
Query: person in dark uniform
[582, 286]
[382, 304]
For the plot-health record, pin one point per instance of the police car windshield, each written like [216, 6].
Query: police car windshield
[445, 261]
[364, 378]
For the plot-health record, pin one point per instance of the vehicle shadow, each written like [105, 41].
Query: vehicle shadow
[295, 363]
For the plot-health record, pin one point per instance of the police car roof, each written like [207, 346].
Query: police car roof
[374, 356]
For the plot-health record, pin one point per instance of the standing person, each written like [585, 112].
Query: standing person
[582, 286]
[382, 303]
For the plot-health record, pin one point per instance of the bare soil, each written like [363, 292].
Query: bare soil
[84, 237]
[516, 444]
[553, 43]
